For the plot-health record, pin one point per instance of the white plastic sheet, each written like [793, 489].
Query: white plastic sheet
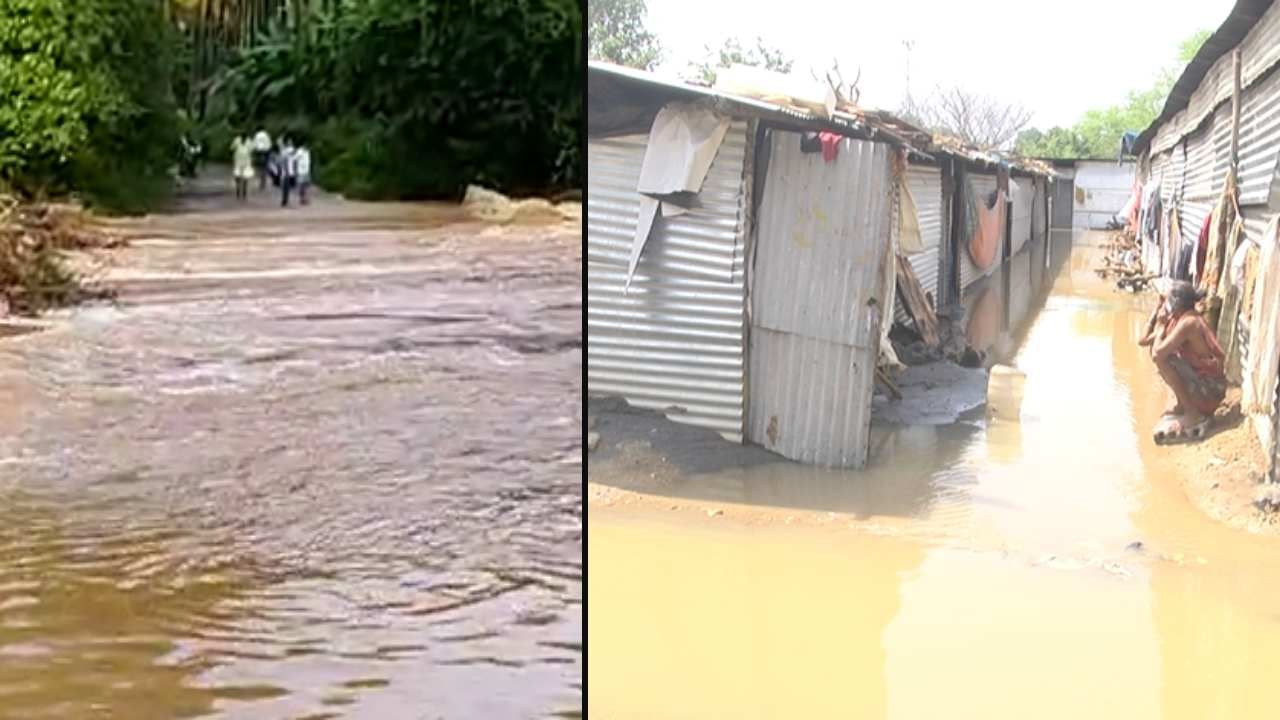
[682, 144]
[910, 241]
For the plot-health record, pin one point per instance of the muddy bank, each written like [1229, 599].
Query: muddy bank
[938, 393]
[35, 272]
[1223, 475]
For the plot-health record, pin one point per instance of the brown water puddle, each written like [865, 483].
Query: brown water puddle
[979, 571]
[318, 462]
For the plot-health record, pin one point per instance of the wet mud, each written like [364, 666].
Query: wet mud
[315, 462]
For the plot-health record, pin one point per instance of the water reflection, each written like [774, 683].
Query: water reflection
[1014, 563]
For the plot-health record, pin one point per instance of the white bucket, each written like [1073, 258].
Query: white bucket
[1004, 393]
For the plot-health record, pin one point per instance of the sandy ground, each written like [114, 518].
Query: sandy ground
[1221, 475]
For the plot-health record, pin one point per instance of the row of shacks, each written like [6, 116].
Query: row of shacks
[1208, 195]
[741, 253]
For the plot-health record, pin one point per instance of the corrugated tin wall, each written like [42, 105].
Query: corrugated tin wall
[1209, 149]
[1259, 140]
[1101, 190]
[1258, 52]
[1221, 138]
[925, 183]
[1039, 210]
[822, 235]
[1024, 193]
[1063, 202]
[983, 185]
[676, 339]
[1201, 163]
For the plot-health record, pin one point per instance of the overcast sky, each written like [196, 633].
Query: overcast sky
[1058, 59]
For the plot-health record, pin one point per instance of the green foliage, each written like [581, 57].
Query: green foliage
[418, 98]
[1055, 142]
[85, 101]
[1188, 48]
[1097, 134]
[733, 53]
[618, 35]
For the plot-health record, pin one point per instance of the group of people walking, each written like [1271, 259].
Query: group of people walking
[286, 165]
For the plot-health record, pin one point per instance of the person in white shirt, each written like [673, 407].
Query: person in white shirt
[261, 149]
[303, 160]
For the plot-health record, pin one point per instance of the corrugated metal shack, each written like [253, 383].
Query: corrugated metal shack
[1094, 192]
[748, 299]
[1220, 130]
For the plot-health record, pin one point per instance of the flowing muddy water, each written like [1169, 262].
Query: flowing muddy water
[318, 462]
[974, 570]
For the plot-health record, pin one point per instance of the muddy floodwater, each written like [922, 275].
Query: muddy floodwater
[1046, 568]
[315, 463]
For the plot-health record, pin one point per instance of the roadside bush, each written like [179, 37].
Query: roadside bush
[85, 100]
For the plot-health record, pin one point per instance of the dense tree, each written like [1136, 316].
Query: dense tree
[418, 98]
[1056, 142]
[402, 98]
[85, 100]
[617, 34]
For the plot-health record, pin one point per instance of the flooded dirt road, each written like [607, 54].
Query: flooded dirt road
[318, 462]
[1049, 568]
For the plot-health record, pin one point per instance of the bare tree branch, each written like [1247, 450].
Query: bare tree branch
[977, 119]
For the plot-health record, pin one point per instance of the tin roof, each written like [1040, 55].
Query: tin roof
[1233, 30]
[852, 121]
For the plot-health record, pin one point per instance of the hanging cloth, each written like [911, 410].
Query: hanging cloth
[910, 240]
[1259, 390]
[1219, 250]
[1234, 305]
[889, 283]
[1172, 243]
[1202, 245]
[985, 223]
[830, 145]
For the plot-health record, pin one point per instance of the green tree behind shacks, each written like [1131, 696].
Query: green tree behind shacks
[1097, 134]
[617, 34]
[733, 52]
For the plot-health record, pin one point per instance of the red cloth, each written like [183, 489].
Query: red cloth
[1202, 247]
[830, 145]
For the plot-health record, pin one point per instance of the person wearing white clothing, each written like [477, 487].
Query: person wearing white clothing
[261, 149]
[302, 159]
[242, 166]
